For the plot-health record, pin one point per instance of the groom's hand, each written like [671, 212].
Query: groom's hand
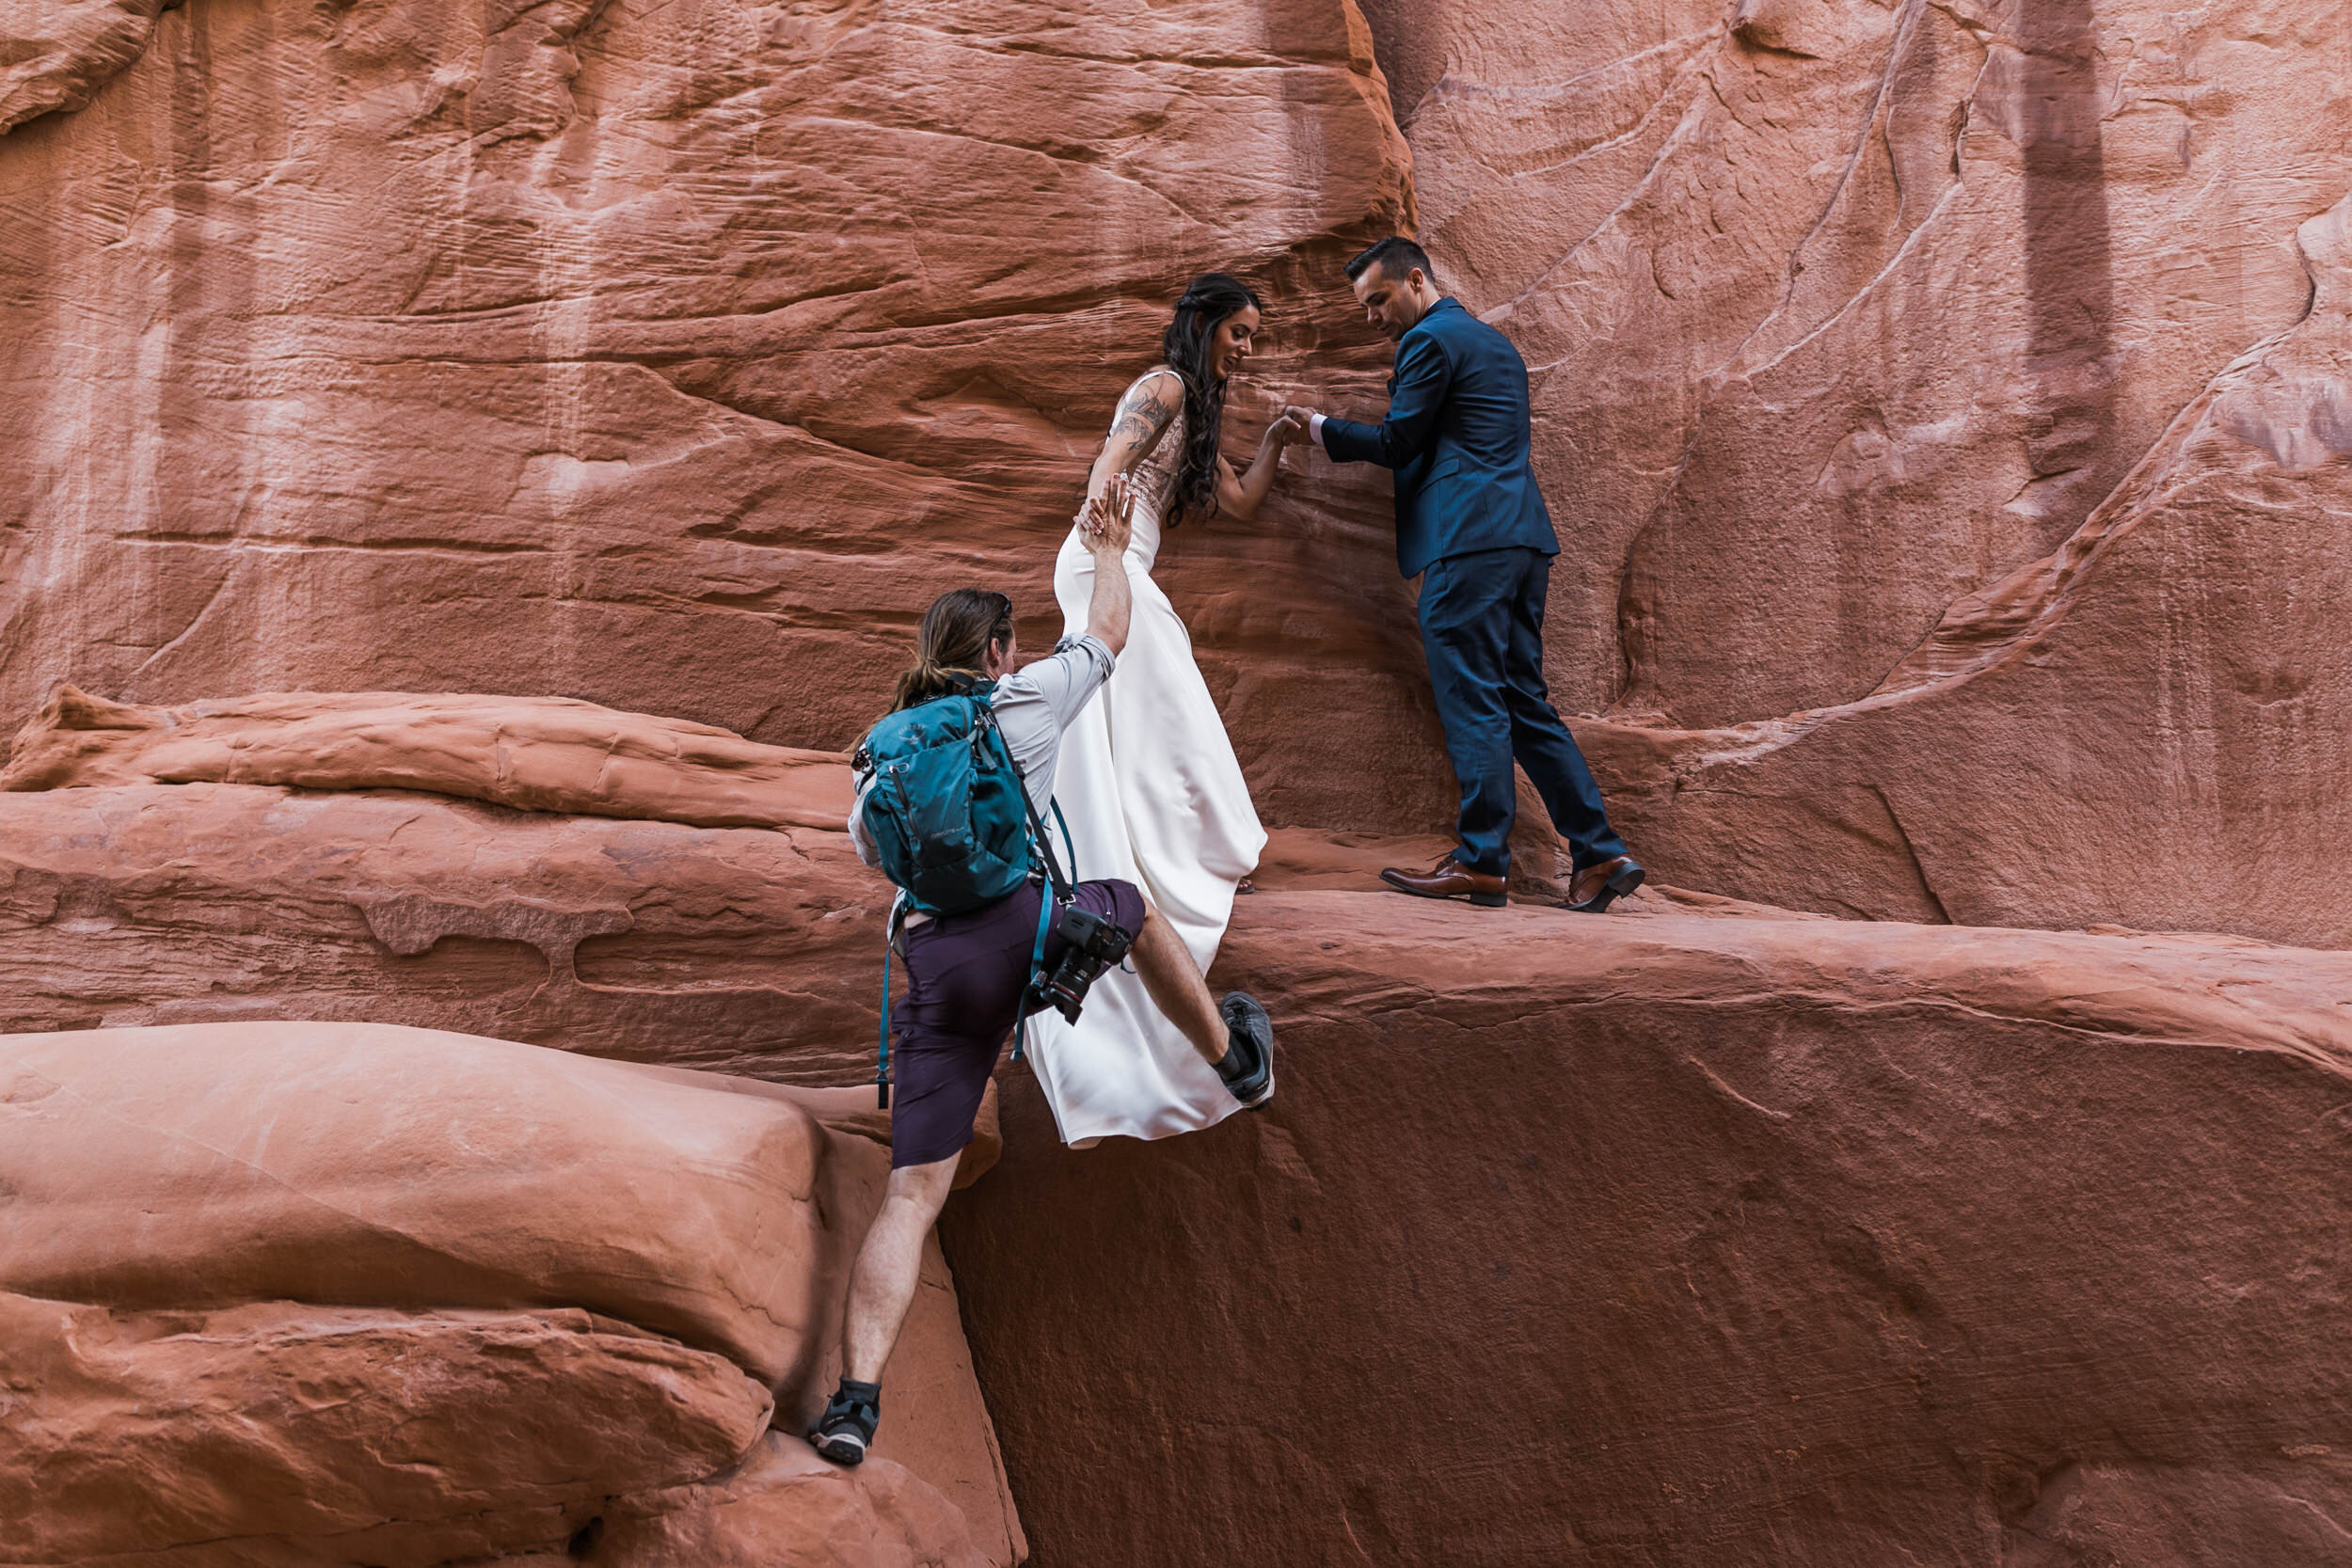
[1304, 420]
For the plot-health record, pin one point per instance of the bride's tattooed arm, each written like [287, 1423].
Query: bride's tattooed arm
[1145, 411]
[1143, 417]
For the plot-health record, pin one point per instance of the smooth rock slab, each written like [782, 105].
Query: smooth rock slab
[787, 1508]
[334, 1436]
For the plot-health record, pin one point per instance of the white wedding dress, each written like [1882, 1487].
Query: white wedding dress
[1153, 796]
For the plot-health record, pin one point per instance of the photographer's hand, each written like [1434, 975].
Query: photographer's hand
[1110, 523]
[1110, 517]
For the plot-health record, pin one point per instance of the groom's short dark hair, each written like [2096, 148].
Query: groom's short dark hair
[1395, 256]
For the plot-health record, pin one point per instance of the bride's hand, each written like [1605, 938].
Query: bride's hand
[1110, 517]
[1286, 431]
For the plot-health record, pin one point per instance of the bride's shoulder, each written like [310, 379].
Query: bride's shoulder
[1159, 381]
[1150, 402]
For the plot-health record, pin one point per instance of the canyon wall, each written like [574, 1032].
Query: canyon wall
[1944, 407]
[670, 357]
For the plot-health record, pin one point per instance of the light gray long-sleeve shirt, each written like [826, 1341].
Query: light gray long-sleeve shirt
[1032, 708]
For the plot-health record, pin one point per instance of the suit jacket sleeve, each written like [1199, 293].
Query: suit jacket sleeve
[1415, 399]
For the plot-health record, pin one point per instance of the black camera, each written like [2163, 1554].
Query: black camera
[1091, 946]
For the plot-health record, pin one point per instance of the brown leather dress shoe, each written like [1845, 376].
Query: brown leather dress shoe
[1449, 879]
[1596, 887]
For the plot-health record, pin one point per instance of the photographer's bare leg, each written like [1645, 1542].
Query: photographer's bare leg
[1176, 987]
[890, 1263]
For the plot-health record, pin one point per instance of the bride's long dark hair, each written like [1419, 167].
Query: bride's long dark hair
[1212, 298]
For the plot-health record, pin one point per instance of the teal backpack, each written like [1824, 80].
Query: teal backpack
[952, 823]
[948, 812]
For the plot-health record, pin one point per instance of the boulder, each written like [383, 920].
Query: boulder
[787, 1508]
[1697, 1239]
[342, 1435]
[208, 1164]
[263, 1246]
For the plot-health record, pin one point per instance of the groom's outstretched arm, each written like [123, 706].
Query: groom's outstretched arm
[1422, 376]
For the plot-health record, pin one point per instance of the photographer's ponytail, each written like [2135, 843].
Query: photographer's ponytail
[952, 646]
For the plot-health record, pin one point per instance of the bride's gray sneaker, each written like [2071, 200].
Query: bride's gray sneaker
[1248, 1069]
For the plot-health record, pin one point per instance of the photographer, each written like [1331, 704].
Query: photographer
[969, 973]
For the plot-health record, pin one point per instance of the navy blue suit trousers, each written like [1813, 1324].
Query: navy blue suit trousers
[1482, 627]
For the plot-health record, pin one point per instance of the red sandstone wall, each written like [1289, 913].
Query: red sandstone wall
[670, 355]
[1844, 319]
[1946, 407]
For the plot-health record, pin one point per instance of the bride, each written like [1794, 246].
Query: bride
[1147, 780]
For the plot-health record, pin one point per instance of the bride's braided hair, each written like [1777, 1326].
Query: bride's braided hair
[1212, 298]
[953, 642]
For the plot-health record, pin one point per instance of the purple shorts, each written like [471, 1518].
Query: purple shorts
[965, 974]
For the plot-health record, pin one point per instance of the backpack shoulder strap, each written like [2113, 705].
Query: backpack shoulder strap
[1062, 893]
[1037, 829]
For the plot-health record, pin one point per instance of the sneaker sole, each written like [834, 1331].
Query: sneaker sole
[844, 1450]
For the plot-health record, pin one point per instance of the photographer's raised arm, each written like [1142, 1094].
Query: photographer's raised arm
[1109, 524]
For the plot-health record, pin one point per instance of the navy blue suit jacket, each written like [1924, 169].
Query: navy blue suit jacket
[1457, 436]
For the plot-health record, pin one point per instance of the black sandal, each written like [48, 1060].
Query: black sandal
[845, 1429]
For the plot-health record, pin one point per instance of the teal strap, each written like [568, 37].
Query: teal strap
[1037, 963]
[1044, 912]
[1070, 850]
[881, 1052]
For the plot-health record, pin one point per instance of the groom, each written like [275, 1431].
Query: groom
[1471, 522]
